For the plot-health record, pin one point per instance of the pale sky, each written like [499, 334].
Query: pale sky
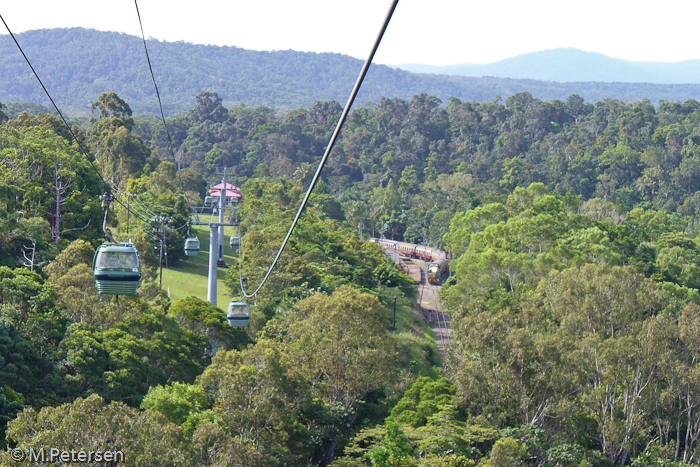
[434, 32]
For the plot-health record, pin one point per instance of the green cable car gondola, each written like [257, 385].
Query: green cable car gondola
[192, 246]
[235, 242]
[238, 314]
[116, 269]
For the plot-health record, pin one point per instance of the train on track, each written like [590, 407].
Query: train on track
[438, 264]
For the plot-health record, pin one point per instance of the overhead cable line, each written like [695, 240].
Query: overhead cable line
[148, 59]
[140, 214]
[150, 213]
[336, 132]
[160, 104]
[143, 206]
[107, 187]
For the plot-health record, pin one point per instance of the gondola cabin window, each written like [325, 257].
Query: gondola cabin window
[117, 260]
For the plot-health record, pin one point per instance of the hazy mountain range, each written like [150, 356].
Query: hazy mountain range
[572, 65]
[77, 65]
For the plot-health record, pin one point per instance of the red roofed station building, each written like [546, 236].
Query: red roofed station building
[233, 193]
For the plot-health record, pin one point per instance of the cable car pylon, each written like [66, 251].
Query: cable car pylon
[216, 242]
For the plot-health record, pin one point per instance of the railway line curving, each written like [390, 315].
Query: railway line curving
[437, 318]
[429, 301]
[428, 266]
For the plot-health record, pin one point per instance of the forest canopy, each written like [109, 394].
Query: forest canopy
[575, 305]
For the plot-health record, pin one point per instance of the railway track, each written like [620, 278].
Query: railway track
[436, 316]
[429, 301]
[444, 321]
[434, 313]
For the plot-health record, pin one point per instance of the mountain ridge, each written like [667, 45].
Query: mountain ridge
[77, 65]
[568, 64]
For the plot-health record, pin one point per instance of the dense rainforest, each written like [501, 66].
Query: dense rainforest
[574, 300]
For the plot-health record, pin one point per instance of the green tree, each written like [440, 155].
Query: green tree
[425, 398]
[207, 320]
[111, 105]
[120, 153]
[182, 404]
[507, 452]
[56, 183]
[208, 108]
[149, 350]
[394, 449]
[143, 438]
[353, 353]
[303, 174]
[409, 183]
[258, 402]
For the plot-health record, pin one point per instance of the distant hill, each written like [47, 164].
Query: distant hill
[77, 65]
[572, 65]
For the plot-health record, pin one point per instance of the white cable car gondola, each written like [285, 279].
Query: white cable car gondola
[235, 242]
[238, 314]
[192, 246]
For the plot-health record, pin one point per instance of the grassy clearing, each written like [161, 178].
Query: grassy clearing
[189, 276]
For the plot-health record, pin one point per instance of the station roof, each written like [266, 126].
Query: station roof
[230, 190]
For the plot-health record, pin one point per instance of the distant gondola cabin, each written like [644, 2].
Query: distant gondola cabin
[238, 314]
[235, 242]
[116, 269]
[192, 246]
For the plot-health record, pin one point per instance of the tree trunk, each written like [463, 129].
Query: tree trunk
[330, 453]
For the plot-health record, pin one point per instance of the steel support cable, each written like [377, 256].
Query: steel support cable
[160, 104]
[108, 188]
[336, 132]
[146, 214]
[133, 205]
[143, 206]
[151, 213]
[132, 209]
[147, 210]
[140, 215]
